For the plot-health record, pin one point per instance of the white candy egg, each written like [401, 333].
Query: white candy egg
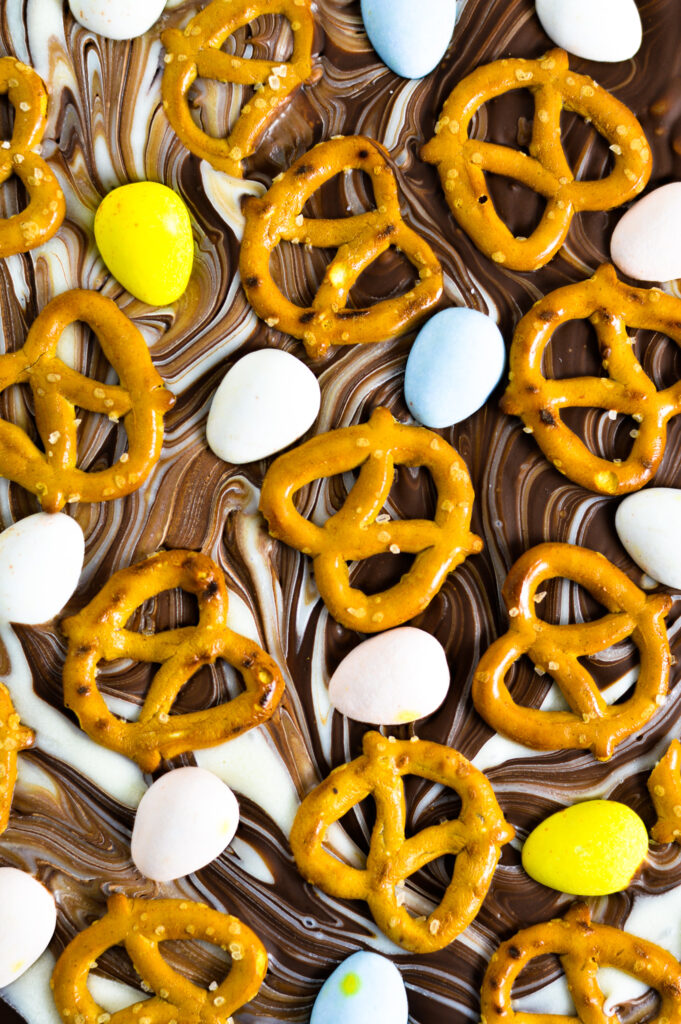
[117, 19]
[604, 30]
[394, 677]
[28, 916]
[184, 821]
[645, 243]
[365, 989]
[648, 525]
[41, 558]
[264, 403]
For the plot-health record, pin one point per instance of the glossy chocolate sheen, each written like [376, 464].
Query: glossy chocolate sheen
[106, 127]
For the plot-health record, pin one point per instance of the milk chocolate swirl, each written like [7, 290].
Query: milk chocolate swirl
[107, 127]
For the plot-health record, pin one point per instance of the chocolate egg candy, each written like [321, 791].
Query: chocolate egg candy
[117, 19]
[41, 558]
[645, 243]
[589, 849]
[29, 917]
[411, 38]
[144, 235]
[183, 822]
[365, 989]
[647, 523]
[605, 30]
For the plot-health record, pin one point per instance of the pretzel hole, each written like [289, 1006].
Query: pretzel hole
[347, 840]
[659, 355]
[519, 207]
[298, 270]
[391, 274]
[346, 194]
[573, 350]
[604, 435]
[560, 601]
[588, 152]
[505, 120]
[116, 984]
[541, 987]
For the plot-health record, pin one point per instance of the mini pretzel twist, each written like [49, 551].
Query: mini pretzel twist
[98, 632]
[664, 785]
[611, 306]
[353, 533]
[196, 52]
[13, 737]
[358, 240]
[141, 926]
[475, 838]
[140, 399]
[583, 947]
[462, 161]
[590, 724]
[46, 206]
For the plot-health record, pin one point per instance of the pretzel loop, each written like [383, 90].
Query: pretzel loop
[13, 738]
[46, 205]
[353, 533]
[590, 723]
[141, 926]
[359, 240]
[463, 161]
[664, 785]
[583, 947]
[98, 633]
[195, 52]
[611, 306]
[475, 838]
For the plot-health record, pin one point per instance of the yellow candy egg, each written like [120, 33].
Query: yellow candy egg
[144, 235]
[590, 849]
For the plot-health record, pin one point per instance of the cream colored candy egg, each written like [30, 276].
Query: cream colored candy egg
[647, 523]
[29, 917]
[144, 235]
[589, 849]
[394, 677]
[184, 821]
[117, 19]
[41, 558]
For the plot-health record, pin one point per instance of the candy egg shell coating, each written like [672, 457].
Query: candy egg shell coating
[41, 558]
[589, 849]
[184, 821]
[603, 30]
[411, 38]
[647, 523]
[29, 917]
[645, 242]
[117, 19]
[365, 989]
[265, 402]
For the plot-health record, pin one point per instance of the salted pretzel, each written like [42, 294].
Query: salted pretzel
[664, 786]
[358, 240]
[475, 838]
[140, 400]
[463, 161]
[611, 306]
[99, 632]
[13, 737]
[584, 947]
[196, 52]
[142, 926]
[46, 205]
[354, 533]
[590, 724]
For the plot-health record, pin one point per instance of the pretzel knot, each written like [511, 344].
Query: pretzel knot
[196, 52]
[475, 838]
[462, 161]
[46, 207]
[611, 306]
[13, 738]
[664, 785]
[359, 240]
[354, 533]
[583, 947]
[142, 926]
[99, 632]
[141, 399]
[590, 723]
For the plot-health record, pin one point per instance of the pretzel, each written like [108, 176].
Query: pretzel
[99, 632]
[141, 926]
[46, 205]
[141, 399]
[196, 52]
[583, 947]
[611, 306]
[664, 786]
[475, 838]
[462, 161]
[353, 533]
[13, 738]
[358, 240]
[590, 724]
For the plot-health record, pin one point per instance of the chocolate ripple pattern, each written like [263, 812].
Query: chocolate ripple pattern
[73, 811]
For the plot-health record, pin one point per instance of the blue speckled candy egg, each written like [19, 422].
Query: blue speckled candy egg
[365, 989]
[454, 365]
[410, 36]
